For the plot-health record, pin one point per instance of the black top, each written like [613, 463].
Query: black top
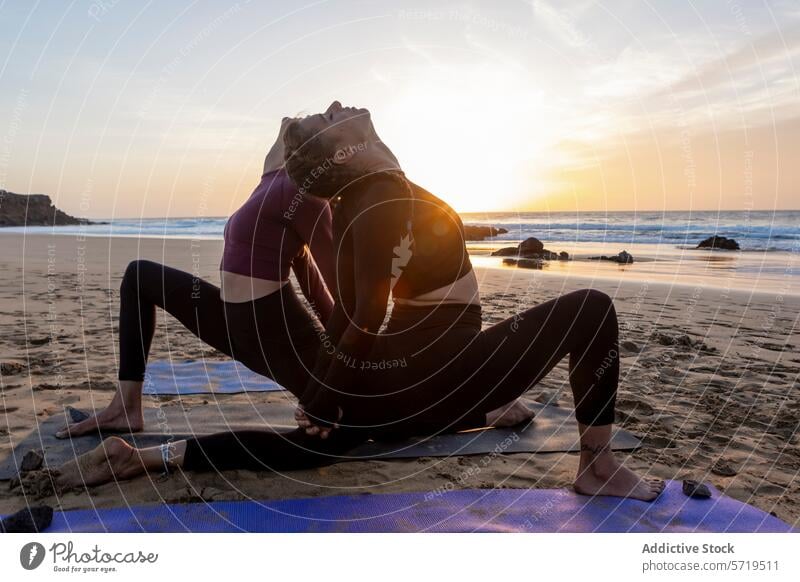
[387, 238]
[371, 225]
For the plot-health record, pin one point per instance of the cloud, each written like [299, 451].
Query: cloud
[752, 60]
[561, 23]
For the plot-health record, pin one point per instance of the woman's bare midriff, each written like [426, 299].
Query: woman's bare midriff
[464, 291]
[236, 288]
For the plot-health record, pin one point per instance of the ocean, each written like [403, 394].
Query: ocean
[755, 230]
[662, 243]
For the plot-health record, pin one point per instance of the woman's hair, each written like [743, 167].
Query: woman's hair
[309, 163]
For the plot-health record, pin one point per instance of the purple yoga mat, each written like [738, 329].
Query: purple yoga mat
[475, 510]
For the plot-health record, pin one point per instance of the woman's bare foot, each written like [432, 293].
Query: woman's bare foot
[601, 473]
[510, 414]
[115, 418]
[113, 459]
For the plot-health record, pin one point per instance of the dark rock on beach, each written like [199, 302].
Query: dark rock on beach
[506, 252]
[472, 232]
[718, 242]
[32, 461]
[549, 256]
[33, 210]
[28, 520]
[623, 258]
[723, 468]
[629, 346]
[531, 248]
[524, 263]
[529, 263]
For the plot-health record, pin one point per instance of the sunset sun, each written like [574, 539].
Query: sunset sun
[487, 133]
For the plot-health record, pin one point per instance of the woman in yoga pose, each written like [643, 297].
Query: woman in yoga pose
[255, 316]
[432, 369]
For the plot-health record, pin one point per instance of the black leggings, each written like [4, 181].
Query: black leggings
[434, 370]
[274, 336]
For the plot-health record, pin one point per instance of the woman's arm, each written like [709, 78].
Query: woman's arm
[334, 329]
[377, 220]
[344, 304]
[313, 223]
[312, 285]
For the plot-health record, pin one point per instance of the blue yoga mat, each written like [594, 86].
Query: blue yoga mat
[168, 378]
[476, 510]
[553, 430]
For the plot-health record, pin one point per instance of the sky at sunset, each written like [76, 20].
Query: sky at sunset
[127, 109]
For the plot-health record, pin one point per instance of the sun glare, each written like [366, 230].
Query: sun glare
[475, 141]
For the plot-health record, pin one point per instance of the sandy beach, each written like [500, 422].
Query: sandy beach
[709, 378]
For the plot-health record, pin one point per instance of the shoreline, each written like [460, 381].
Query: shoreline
[752, 272]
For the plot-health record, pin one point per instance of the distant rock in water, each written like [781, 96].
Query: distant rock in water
[33, 210]
[719, 242]
[623, 258]
[531, 248]
[472, 232]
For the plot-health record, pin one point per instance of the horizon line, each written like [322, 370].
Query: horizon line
[475, 212]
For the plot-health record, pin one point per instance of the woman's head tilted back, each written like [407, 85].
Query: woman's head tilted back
[327, 151]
